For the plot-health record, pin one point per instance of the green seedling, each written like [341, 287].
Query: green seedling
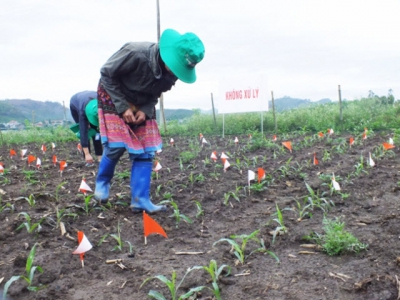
[172, 286]
[117, 237]
[86, 204]
[28, 276]
[200, 211]
[7, 206]
[315, 199]
[239, 250]
[31, 200]
[30, 227]
[336, 240]
[62, 213]
[178, 216]
[29, 175]
[58, 197]
[131, 253]
[215, 274]
[258, 186]
[303, 211]
[281, 228]
[326, 156]
[158, 190]
[121, 176]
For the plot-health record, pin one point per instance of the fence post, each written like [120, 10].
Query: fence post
[340, 103]
[273, 110]
[212, 103]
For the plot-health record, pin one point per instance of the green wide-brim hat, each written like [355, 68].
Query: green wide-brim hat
[92, 113]
[181, 53]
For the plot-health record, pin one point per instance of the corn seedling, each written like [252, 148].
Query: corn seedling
[281, 228]
[326, 156]
[86, 204]
[117, 237]
[131, 253]
[359, 167]
[7, 206]
[62, 213]
[239, 250]
[172, 286]
[215, 274]
[29, 273]
[31, 200]
[258, 187]
[60, 186]
[303, 211]
[200, 211]
[178, 216]
[336, 240]
[315, 199]
[30, 227]
[29, 175]
[158, 190]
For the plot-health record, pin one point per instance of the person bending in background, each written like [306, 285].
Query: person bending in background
[84, 111]
[131, 82]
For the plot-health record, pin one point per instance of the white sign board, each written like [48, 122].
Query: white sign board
[239, 97]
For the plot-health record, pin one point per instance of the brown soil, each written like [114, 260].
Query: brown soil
[371, 213]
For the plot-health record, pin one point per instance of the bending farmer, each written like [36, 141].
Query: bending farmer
[83, 108]
[131, 82]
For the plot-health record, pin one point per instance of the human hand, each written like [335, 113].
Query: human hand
[128, 116]
[140, 117]
[89, 158]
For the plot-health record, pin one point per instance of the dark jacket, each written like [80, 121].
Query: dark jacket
[136, 74]
[77, 106]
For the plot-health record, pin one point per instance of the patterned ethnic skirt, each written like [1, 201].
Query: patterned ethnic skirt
[115, 133]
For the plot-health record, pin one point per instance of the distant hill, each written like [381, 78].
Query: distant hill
[26, 109]
[287, 102]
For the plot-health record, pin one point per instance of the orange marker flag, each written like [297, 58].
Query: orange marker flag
[320, 134]
[63, 164]
[364, 135]
[274, 138]
[226, 164]
[23, 152]
[1, 169]
[250, 136]
[214, 156]
[388, 146]
[43, 148]
[157, 166]
[84, 246]
[315, 159]
[79, 147]
[54, 160]
[31, 159]
[335, 184]
[260, 174]
[200, 136]
[12, 153]
[150, 226]
[371, 161]
[38, 163]
[250, 176]
[84, 188]
[224, 156]
[351, 141]
[330, 131]
[288, 145]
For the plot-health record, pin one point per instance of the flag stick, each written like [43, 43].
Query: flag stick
[145, 240]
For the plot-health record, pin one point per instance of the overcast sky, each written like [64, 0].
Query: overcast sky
[50, 50]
